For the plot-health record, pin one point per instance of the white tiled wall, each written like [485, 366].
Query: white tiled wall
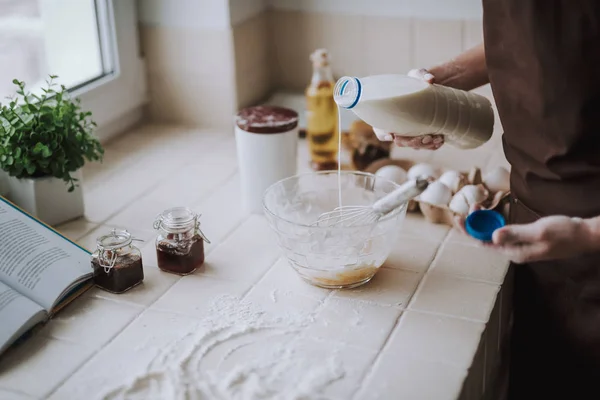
[195, 14]
[253, 70]
[241, 10]
[363, 45]
[436, 9]
[188, 46]
[436, 41]
[367, 37]
[208, 58]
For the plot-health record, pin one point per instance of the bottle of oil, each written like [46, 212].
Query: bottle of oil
[322, 114]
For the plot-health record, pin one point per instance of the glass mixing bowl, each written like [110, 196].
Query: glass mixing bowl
[331, 257]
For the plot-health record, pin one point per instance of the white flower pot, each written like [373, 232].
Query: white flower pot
[3, 183]
[48, 199]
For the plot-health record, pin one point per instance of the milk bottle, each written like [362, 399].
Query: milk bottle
[411, 107]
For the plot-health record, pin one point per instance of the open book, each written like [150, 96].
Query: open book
[40, 272]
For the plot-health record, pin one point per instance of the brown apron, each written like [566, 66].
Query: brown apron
[543, 59]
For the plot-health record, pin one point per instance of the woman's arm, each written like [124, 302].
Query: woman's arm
[593, 225]
[467, 71]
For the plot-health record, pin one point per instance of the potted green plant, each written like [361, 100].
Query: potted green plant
[45, 140]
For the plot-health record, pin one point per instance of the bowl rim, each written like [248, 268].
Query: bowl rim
[387, 217]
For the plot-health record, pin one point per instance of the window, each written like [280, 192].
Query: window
[68, 38]
[92, 45]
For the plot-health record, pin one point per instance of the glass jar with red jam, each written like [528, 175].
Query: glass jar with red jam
[117, 263]
[180, 242]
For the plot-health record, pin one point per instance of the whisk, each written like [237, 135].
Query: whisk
[348, 216]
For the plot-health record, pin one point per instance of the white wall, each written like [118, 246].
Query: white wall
[259, 51]
[199, 14]
[241, 10]
[188, 46]
[221, 14]
[430, 9]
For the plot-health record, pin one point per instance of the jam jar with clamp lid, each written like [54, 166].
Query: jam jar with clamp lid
[117, 263]
[180, 242]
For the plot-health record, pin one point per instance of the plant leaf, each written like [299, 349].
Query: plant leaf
[46, 135]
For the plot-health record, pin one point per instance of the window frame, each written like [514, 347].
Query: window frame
[116, 98]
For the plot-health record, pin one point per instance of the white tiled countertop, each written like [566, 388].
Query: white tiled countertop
[428, 326]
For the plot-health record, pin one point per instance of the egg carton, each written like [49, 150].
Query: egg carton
[438, 214]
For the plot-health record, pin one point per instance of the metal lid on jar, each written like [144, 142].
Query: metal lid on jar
[176, 219]
[114, 240]
[179, 220]
[266, 119]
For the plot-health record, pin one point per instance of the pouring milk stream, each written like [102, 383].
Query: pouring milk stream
[411, 107]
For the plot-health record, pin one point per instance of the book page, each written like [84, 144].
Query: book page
[17, 315]
[35, 260]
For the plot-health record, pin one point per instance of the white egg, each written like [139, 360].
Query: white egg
[393, 173]
[459, 204]
[453, 179]
[422, 170]
[473, 194]
[497, 180]
[436, 194]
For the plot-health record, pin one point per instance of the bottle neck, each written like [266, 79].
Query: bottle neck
[321, 73]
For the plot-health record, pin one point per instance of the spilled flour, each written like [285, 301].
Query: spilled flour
[236, 352]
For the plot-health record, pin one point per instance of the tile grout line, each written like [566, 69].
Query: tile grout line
[435, 256]
[79, 236]
[437, 314]
[422, 282]
[148, 190]
[127, 164]
[371, 368]
[370, 302]
[465, 277]
[226, 181]
[202, 199]
[322, 302]
[149, 306]
[244, 219]
[398, 321]
[217, 244]
[27, 395]
[485, 323]
[93, 354]
[262, 276]
[143, 308]
[447, 241]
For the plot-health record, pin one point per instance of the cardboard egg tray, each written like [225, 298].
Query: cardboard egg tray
[498, 201]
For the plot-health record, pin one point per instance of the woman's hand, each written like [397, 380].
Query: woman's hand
[549, 238]
[422, 74]
[425, 141]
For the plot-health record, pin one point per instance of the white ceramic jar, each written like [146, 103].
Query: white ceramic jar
[267, 146]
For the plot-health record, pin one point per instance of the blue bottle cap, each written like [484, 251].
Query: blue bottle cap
[481, 224]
